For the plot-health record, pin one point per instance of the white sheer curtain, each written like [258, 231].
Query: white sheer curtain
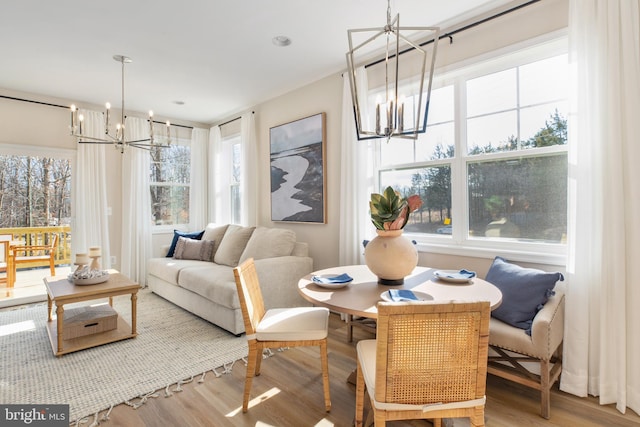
[249, 166]
[216, 174]
[602, 343]
[198, 218]
[136, 204]
[356, 184]
[91, 226]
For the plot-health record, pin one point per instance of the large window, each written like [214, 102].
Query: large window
[170, 179]
[492, 166]
[35, 191]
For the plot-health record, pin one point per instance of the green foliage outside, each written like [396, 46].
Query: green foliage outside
[527, 190]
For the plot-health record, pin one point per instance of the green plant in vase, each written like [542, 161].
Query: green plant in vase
[390, 211]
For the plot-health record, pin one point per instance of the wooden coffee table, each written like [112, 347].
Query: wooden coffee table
[61, 291]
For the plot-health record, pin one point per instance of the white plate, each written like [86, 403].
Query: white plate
[422, 296]
[331, 285]
[442, 275]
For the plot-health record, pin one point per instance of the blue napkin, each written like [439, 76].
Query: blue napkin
[402, 295]
[462, 274]
[343, 278]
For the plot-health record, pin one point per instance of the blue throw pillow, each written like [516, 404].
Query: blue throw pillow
[524, 292]
[197, 235]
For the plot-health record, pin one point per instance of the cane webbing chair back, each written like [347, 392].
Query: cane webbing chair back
[430, 362]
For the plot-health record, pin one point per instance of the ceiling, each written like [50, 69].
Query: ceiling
[216, 56]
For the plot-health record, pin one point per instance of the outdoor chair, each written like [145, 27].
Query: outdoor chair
[33, 254]
[428, 361]
[277, 327]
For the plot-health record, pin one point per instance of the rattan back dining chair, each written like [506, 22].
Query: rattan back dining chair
[277, 327]
[428, 361]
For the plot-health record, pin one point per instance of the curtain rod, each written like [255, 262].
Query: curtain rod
[66, 107]
[233, 120]
[450, 34]
[34, 102]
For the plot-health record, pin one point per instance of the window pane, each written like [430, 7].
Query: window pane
[433, 185]
[488, 134]
[492, 93]
[437, 143]
[524, 198]
[396, 151]
[441, 106]
[171, 164]
[34, 191]
[544, 81]
[539, 124]
[170, 204]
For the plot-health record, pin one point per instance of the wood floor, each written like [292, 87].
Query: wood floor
[289, 393]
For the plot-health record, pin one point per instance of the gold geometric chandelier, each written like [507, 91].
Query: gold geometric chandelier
[117, 138]
[390, 100]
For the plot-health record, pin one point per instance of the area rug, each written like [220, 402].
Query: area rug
[173, 346]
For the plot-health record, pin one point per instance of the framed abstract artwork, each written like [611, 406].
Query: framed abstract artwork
[298, 170]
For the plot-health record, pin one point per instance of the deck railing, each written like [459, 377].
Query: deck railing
[32, 236]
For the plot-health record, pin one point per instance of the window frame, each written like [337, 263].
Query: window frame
[459, 243]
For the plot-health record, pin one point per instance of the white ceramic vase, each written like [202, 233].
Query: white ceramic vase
[391, 256]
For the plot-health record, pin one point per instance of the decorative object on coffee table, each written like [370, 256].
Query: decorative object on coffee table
[95, 252]
[85, 274]
[390, 255]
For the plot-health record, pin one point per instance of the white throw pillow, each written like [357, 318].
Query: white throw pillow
[214, 232]
[269, 243]
[232, 245]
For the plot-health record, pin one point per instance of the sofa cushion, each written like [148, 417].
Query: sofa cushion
[213, 282]
[216, 233]
[232, 245]
[177, 234]
[269, 243]
[524, 291]
[201, 250]
[168, 269]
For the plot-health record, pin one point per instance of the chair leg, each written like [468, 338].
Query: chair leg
[545, 390]
[259, 356]
[251, 370]
[359, 396]
[379, 419]
[52, 266]
[325, 374]
[477, 419]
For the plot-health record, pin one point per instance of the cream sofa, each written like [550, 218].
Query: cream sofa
[199, 276]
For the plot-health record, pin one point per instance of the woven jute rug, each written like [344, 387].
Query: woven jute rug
[172, 347]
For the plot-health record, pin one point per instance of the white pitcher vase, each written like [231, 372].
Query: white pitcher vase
[391, 256]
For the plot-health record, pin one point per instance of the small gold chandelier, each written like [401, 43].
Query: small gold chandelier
[389, 100]
[117, 139]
